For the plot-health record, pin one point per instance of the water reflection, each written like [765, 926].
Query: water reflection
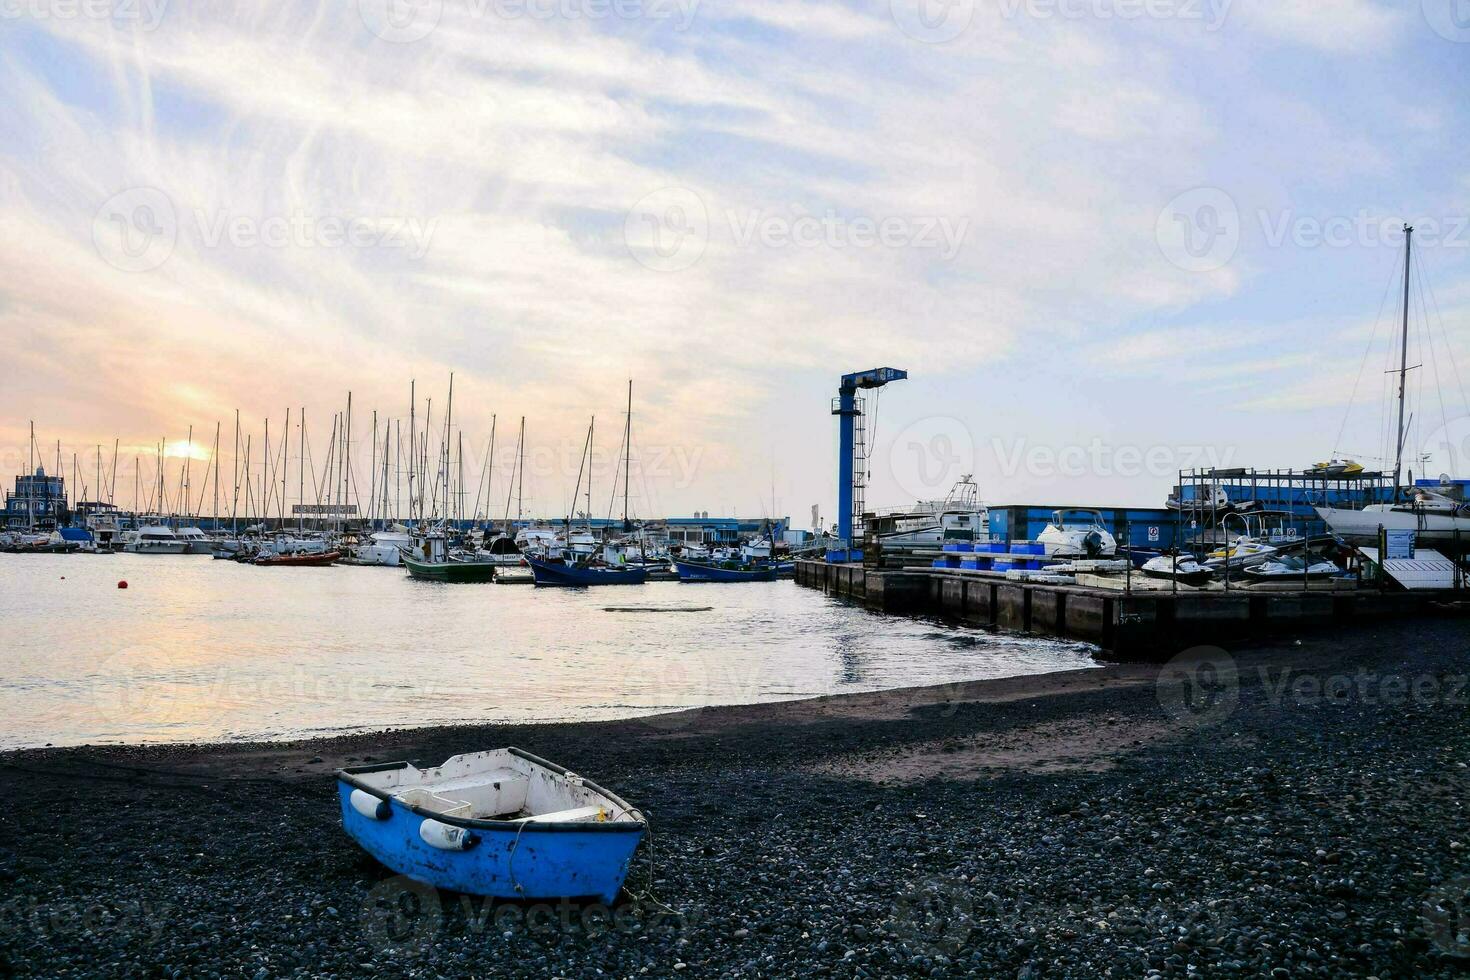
[197, 649]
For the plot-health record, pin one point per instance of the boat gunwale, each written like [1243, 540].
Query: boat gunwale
[638, 825]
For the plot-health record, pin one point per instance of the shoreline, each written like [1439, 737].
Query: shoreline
[1063, 823]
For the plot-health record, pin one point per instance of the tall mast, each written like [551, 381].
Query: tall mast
[412, 444]
[448, 429]
[265, 455]
[188, 459]
[235, 498]
[31, 480]
[301, 479]
[627, 453]
[346, 461]
[215, 513]
[112, 480]
[490, 468]
[521, 478]
[1398, 459]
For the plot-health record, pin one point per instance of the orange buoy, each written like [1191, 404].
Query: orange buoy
[122, 585]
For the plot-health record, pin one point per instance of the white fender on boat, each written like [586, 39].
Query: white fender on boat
[446, 837]
[369, 805]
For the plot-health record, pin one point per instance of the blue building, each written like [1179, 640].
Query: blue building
[38, 499]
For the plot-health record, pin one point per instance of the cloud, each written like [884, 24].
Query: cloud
[1333, 26]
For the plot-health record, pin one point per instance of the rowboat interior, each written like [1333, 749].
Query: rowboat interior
[498, 785]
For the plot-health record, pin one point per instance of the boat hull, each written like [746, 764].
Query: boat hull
[700, 572]
[1361, 526]
[314, 560]
[453, 572]
[523, 862]
[562, 574]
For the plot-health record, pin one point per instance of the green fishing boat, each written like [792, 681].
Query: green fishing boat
[432, 561]
[454, 570]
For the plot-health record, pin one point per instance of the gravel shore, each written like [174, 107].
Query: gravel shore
[1298, 809]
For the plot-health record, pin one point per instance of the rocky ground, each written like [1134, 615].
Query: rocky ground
[1293, 810]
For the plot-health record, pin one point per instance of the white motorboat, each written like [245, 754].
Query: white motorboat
[960, 517]
[383, 548]
[1216, 500]
[196, 542]
[154, 539]
[1179, 568]
[1077, 534]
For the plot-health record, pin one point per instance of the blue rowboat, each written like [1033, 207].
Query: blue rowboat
[558, 572]
[503, 824]
[699, 571]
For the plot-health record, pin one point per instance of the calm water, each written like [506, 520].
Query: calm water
[197, 649]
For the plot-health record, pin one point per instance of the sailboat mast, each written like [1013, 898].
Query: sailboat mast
[301, 479]
[215, 513]
[1398, 459]
[521, 475]
[627, 452]
[412, 444]
[235, 499]
[31, 481]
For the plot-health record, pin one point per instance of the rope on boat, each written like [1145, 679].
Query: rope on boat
[510, 866]
[647, 895]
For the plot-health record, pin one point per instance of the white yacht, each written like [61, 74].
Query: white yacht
[1435, 518]
[384, 547]
[196, 541]
[961, 516]
[1077, 534]
[153, 539]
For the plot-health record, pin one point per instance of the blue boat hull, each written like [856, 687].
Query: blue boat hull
[525, 862]
[560, 573]
[700, 572]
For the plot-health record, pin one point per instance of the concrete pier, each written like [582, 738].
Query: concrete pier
[1136, 625]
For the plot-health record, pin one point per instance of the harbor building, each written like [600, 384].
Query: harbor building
[36, 499]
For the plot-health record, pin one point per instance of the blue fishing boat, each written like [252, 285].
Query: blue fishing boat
[555, 571]
[502, 824]
[702, 571]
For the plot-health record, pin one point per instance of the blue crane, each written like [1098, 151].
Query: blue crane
[852, 456]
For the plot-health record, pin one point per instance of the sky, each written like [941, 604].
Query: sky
[1108, 239]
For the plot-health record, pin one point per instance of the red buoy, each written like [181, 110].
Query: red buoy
[122, 585]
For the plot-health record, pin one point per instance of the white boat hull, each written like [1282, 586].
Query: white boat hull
[1361, 526]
